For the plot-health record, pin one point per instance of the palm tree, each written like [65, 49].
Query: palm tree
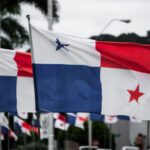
[12, 33]
[42, 5]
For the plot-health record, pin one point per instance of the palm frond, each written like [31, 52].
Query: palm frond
[42, 5]
[5, 43]
[14, 31]
[10, 6]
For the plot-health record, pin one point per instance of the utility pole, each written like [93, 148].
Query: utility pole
[50, 13]
[0, 137]
[51, 133]
[90, 133]
[148, 135]
[51, 123]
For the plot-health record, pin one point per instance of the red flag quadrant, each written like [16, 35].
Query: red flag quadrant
[125, 78]
[24, 64]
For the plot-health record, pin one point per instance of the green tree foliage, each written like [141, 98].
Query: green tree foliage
[32, 146]
[26, 142]
[15, 34]
[42, 5]
[130, 37]
[101, 133]
[12, 33]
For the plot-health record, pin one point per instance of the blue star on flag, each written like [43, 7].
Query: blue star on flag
[61, 45]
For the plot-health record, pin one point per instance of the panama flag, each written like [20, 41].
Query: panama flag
[80, 75]
[61, 122]
[67, 73]
[125, 79]
[16, 82]
[5, 127]
[77, 119]
[110, 119]
[25, 127]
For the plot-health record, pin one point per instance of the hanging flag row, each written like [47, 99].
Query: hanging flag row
[5, 129]
[73, 74]
[61, 121]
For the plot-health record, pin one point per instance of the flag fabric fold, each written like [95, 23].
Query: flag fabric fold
[74, 74]
[25, 127]
[79, 75]
[77, 119]
[125, 78]
[16, 80]
[61, 122]
[67, 73]
[5, 129]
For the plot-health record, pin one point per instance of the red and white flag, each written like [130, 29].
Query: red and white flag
[125, 78]
[110, 119]
[23, 115]
[61, 123]
[4, 123]
[135, 120]
[77, 119]
[81, 118]
[25, 127]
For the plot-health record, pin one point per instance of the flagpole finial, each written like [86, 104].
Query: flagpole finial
[28, 17]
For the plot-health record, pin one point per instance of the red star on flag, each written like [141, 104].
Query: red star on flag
[134, 95]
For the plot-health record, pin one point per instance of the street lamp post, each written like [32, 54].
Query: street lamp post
[112, 20]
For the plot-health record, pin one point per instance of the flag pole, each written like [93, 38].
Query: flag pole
[148, 135]
[33, 133]
[110, 136]
[90, 133]
[104, 138]
[8, 140]
[0, 131]
[0, 113]
[50, 13]
[0, 137]
[51, 121]
[36, 101]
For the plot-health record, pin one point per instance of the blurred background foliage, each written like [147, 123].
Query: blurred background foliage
[12, 33]
[101, 133]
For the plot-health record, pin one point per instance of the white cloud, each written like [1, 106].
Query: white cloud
[88, 17]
